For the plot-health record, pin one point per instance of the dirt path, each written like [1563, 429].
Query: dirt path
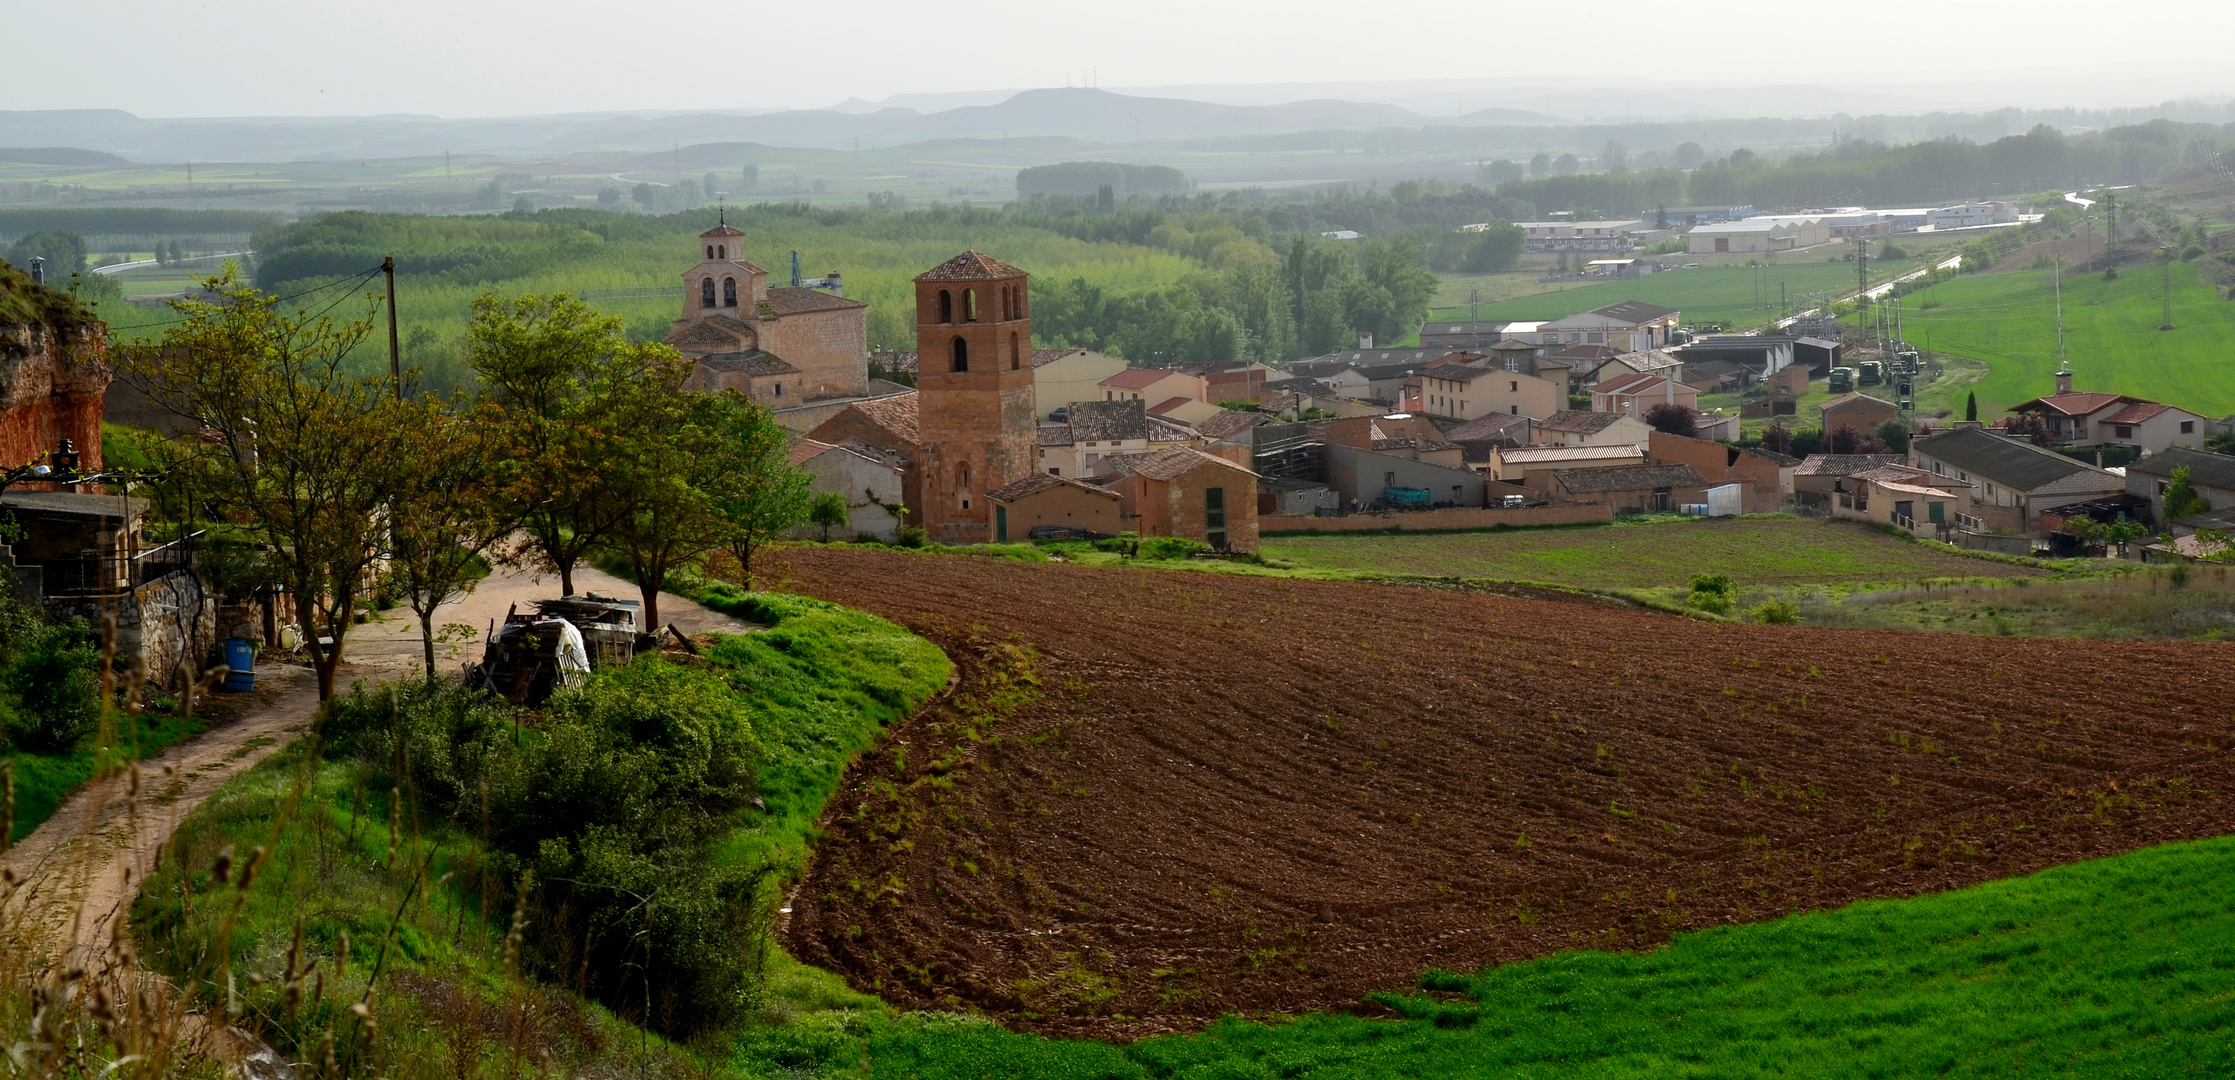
[75, 876]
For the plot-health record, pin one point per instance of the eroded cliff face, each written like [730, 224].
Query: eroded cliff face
[52, 377]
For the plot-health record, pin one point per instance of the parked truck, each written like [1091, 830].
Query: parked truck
[1842, 380]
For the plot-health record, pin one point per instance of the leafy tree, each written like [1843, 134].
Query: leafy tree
[1541, 164]
[64, 252]
[827, 511]
[643, 194]
[1566, 165]
[1844, 440]
[672, 475]
[1894, 435]
[569, 387]
[1689, 155]
[2181, 498]
[764, 494]
[1673, 418]
[450, 509]
[1500, 171]
[749, 179]
[1778, 438]
[298, 450]
[609, 196]
[711, 185]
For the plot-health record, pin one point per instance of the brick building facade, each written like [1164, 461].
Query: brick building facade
[975, 404]
[782, 347]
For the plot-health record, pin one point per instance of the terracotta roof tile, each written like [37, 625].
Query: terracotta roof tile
[971, 266]
[1099, 420]
[2135, 413]
[1038, 482]
[1843, 464]
[1137, 378]
[898, 414]
[1179, 461]
[1628, 478]
[789, 301]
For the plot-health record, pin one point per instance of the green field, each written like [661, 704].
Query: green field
[2117, 967]
[1736, 296]
[2183, 603]
[1754, 551]
[2110, 334]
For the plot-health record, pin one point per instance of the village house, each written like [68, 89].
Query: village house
[1478, 437]
[1765, 478]
[2012, 481]
[1857, 410]
[1185, 492]
[872, 480]
[1237, 381]
[1062, 376]
[1365, 477]
[1631, 489]
[1151, 386]
[1636, 395]
[2070, 418]
[1575, 427]
[1532, 466]
[1093, 432]
[1046, 501]
[2212, 476]
[1817, 480]
[1922, 503]
[1465, 390]
[890, 424]
[1630, 326]
[1401, 435]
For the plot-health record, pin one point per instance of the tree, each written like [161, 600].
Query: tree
[1566, 165]
[712, 185]
[64, 252]
[2181, 498]
[643, 194]
[1673, 418]
[749, 179]
[666, 479]
[1689, 155]
[450, 510]
[1541, 164]
[764, 494]
[301, 454]
[1778, 439]
[1971, 407]
[609, 196]
[1894, 435]
[568, 386]
[827, 511]
[1844, 439]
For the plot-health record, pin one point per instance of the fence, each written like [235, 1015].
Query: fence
[1448, 519]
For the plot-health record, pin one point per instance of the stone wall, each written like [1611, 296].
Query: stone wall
[1455, 518]
[830, 349]
[166, 628]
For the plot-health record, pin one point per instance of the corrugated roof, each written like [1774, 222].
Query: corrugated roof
[1628, 478]
[1579, 422]
[2210, 470]
[1544, 455]
[1843, 464]
[971, 266]
[2019, 466]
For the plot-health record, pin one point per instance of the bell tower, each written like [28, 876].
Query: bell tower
[723, 283]
[974, 391]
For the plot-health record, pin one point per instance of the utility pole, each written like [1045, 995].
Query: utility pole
[2165, 260]
[446, 166]
[1862, 282]
[2056, 274]
[395, 353]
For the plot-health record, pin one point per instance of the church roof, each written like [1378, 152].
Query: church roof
[789, 301]
[897, 414]
[750, 361]
[971, 266]
[710, 331]
[722, 230]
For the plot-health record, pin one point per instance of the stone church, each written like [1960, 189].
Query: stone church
[970, 427]
[782, 347]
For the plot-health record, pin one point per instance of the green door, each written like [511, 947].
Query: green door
[1000, 523]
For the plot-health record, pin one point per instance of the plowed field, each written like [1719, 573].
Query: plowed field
[1259, 795]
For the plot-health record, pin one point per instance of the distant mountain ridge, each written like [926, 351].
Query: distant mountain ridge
[1087, 115]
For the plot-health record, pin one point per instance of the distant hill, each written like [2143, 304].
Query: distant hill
[59, 155]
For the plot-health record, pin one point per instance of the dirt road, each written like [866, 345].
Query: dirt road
[76, 875]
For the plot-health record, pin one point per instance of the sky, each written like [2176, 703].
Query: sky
[462, 58]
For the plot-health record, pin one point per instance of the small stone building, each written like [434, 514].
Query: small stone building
[1186, 492]
[1045, 500]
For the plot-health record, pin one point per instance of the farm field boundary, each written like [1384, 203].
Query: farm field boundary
[1462, 518]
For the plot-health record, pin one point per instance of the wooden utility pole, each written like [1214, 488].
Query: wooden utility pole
[395, 352]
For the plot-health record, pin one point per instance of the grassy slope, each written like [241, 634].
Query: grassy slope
[1713, 294]
[42, 781]
[2111, 335]
[2116, 967]
[1755, 551]
[2184, 603]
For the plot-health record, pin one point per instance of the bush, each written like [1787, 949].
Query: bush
[913, 536]
[1171, 547]
[1715, 593]
[1782, 612]
[53, 688]
[439, 733]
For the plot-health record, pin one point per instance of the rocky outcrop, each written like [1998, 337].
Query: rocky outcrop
[52, 378]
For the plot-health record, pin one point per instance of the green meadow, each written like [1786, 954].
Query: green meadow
[1736, 296]
[2110, 334]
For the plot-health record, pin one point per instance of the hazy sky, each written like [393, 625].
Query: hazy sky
[487, 58]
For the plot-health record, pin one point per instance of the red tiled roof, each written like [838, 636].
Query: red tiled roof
[1637, 384]
[897, 414]
[1138, 378]
[1168, 404]
[2073, 404]
[1179, 461]
[722, 230]
[789, 301]
[2135, 413]
[1037, 482]
[971, 266]
[806, 450]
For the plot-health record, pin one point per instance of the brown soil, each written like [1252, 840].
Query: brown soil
[1244, 794]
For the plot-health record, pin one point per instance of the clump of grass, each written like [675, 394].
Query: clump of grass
[1714, 593]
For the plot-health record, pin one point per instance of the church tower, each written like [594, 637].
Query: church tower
[723, 283]
[974, 391]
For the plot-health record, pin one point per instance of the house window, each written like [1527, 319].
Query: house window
[1052, 471]
[2123, 431]
[1597, 339]
[779, 389]
[962, 483]
[1389, 479]
[962, 355]
[1514, 385]
[1936, 511]
[1214, 517]
[2188, 427]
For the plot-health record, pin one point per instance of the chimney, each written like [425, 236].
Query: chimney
[1365, 341]
[2064, 379]
[836, 285]
[38, 270]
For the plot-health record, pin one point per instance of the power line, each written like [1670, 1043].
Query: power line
[350, 281]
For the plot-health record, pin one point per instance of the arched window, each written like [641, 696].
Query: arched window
[969, 305]
[721, 251]
[946, 306]
[706, 293]
[962, 356]
[1014, 353]
[962, 484]
[729, 292]
[709, 251]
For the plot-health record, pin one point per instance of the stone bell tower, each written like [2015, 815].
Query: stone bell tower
[974, 387]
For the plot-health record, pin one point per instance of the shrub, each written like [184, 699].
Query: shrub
[53, 688]
[913, 536]
[1171, 547]
[439, 733]
[1715, 593]
[1776, 611]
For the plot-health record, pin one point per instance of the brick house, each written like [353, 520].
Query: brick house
[1856, 410]
[1922, 503]
[888, 424]
[1185, 492]
[872, 480]
[1042, 500]
[1818, 479]
[1638, 394]
[1478, 437]
[1575, 427]
[1151, 385]
[1093, 432]
[1765, 478]
[1628, 489]
[2012, 481]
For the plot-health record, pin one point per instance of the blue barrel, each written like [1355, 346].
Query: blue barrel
[240, 664]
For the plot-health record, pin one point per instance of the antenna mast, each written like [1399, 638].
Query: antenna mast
[2056, 274]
